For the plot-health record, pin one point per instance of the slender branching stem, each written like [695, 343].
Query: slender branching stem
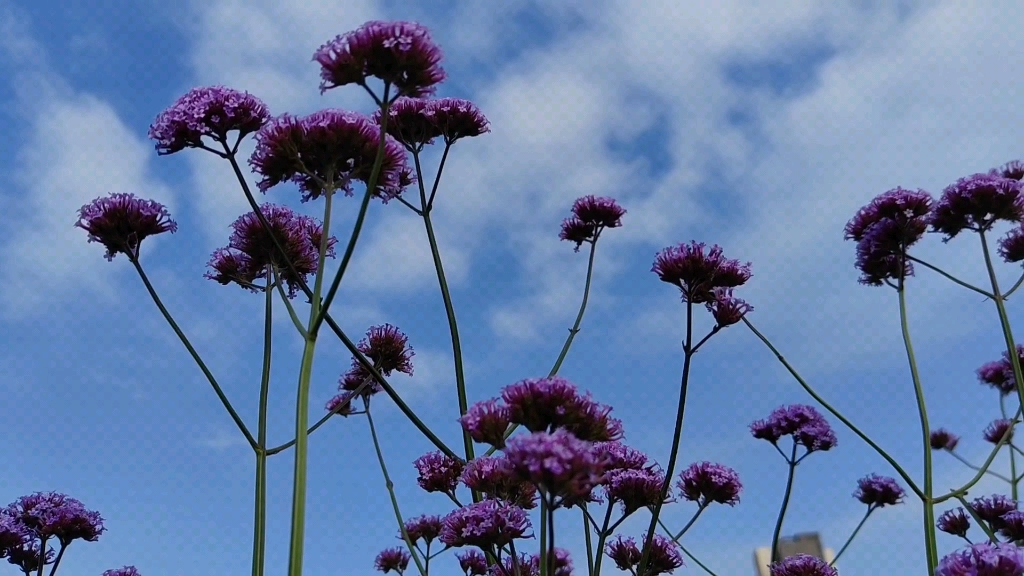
[777, 533]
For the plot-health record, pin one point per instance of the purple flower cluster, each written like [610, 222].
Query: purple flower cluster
[547, 404]
[976, 203]
[999, 373]
[955, 522]
[438, 472]
[496, 477]
[529, 565]
[472, 562]
[415, 122]
[698, 274]
[121, 222]
[211, 111]
[707, 482]
[984, 559]
[878, 491]
[251, 251]
[635, 489]
[387, 348]
[802, 565]
[30, 522]
[805, 424]
[328, 149]
[557, 463]
[425, 528]
[484, 524]
[396, 559]
[991, 509]
[591, 215]
[401, 54]
[995, 431]
[942, 439]
[885, 229]
[664, 557]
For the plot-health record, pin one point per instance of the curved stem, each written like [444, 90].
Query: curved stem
[785, 504]
[371, 185]
[56, 561]
[930, 544]
[892, 462]
[973, 467]
[676, 436]
[195, 356]
[1014, 287]
[391, 491]
[437, 178]
[668, 532]
[983, 469]
[949, 276]
[259, 536]
[288, 304]
[852, 536]
[586, 535]
[689, 524]
[601, 540]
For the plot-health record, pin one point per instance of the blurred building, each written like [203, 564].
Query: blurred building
[806, 543]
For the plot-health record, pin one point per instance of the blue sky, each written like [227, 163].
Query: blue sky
[758, 126]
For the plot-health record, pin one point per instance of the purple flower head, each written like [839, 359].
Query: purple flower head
[396, 559]
[13, 534]
[472, 562]
[618, 456]
[807, 426]
[121, 222]
[999, 374]
[727, 309]
[328, 148]
[399, 53]
[664, 557]
[457, 118]
[955, 522]
[486, 422]
[802, 565]
[991, 509]
[557, 463]
[409, 123]
[124, 571]
[907, 210]
[816, 437]
[1014, 170]
[697, 273]
[438, 472]
[29, 557]
[942, 439]
[484, 524]
[624, 552]
[251, 249]
[341, 404]
[591, 215]
[55, 515]
[878, 265]
[425, 528]
[388, 348]
[1012, 526]
[495, 477]
[878, 491]
[550, 403]
[994, 432]
[976, 202]
[707, 482]
[635, 489]
[521, 564]
[1011, 246]
[355, 378]
[984, 559]
[211, 111]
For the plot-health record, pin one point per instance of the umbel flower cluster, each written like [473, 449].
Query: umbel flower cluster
[550, 448]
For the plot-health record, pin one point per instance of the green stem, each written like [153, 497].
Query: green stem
[973, 467]
[667, 532]
[543, 534]
[601, 540]
[195, 356]
[259, 536]
[1014, 287]
[56, 561]
[298, 528]
[371, 185]
[983, 469]
[931, 546]
[676, 437]
[288, 304]
[689, 524]
[949, 276]
[852, 536]
[586, 534]
[391, 491]
[551, 539]
[1013, 457]
[978, 520]
[892, 462]
[785, 504]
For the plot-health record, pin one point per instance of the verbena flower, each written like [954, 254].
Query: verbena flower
[624, 552]
[878, 491]
[425, 528]
[328, 148]
[13, 533]
[663, 558]
[29, 557]
[802, 565]
[1011, 246]
[438, 472]
[341, 404]
[942, 439]
[696, 273]
[251, 249]
[807, 426]
[707, 482]
[976, 203]
[529, 565]
[496, 477]
[618, 456]
[121, 222]
[1012, 526]
[635, 489]
[551, 403]
[591, 215]
[994, 432]
[124, 571]
[999, 373]
[486, 422]
[457, 118]
[409, 123]
[878, 265]
[472, 562]
[984, 559]
[992, 508]
[387, 348]
[399, 53]
[484, 524]
[210, 111]
[725, 308]
[557, 463]
[54, 515]
[908, 209]
[396, 559]
[955, 522]
[1014, 170]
